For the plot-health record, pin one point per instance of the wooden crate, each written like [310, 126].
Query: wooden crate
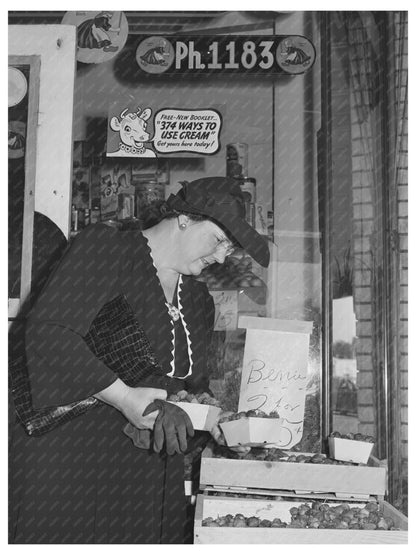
[343, 481]
[212, 506]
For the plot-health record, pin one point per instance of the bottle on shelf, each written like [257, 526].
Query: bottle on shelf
[248, 187]
[237, 160]
[95, 215]
[81, 218]
[87, 217]
[74, 218]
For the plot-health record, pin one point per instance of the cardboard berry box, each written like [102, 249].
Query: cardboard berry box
[349, 450]
[203, 417]
[252, 431]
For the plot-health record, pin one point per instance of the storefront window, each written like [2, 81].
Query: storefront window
[250, 112]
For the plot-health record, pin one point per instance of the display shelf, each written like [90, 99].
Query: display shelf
[346, 481]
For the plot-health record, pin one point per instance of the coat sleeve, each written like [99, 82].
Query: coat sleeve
[62, 368]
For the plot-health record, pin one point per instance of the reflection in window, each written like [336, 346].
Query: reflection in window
[18, 117]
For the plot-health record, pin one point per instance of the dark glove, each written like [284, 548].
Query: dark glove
[171, 427]
[140, 438]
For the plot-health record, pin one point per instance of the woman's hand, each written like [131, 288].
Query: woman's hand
[172, 427]
[135, 402]
[132, 401]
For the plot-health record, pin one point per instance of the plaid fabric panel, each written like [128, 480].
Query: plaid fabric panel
[39, 421]
[116, 338]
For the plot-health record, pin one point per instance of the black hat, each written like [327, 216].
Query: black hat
[221, 199]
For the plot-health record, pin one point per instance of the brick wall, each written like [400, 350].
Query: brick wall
[366, 208]
[401, 56]
[364, 229]
[364, 217]
[365, 197]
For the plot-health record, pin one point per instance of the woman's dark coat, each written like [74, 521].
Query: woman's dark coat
[85, 482]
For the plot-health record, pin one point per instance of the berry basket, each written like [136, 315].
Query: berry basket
[349, 450]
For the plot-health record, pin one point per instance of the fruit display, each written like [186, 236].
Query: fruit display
[314, 515]
[318, 458]
[198, 398]
[350, 447]
[240, 521]
[230, 417]
[255, 454]
[234, 272]
[277, 455]
[354, 437]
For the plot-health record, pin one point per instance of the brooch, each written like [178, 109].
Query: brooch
[174, 312]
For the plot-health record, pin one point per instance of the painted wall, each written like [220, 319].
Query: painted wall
[55, 44]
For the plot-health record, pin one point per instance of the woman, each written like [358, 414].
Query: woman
[85, 481]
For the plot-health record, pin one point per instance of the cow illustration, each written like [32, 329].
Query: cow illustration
[132, 128]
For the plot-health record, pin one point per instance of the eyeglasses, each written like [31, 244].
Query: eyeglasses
[226, 245]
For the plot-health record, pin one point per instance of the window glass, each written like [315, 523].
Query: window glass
[17, 126]
[281, 203]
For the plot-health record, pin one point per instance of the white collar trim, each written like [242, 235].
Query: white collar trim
[187, 334]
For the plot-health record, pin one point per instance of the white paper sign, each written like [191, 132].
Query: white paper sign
[226, 310]
[274, 375]
[187, 131]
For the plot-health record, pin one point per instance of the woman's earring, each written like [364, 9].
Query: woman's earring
[182, 226]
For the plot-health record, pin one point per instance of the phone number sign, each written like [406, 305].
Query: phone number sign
[261, 55]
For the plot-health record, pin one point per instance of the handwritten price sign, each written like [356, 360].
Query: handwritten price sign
[274, 375]
[226, 310]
